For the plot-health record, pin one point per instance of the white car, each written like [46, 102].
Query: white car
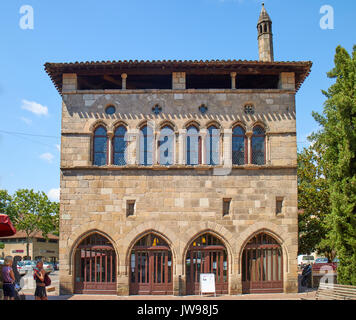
[47, 267]
[21, 268]
[305, 259]
[1, 261]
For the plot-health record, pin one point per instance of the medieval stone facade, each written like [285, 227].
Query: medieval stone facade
[178, 203]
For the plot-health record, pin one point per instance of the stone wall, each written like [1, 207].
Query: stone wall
[178, 203]
[274, 110]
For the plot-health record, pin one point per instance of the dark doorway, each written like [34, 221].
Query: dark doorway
[262, 265]
[95, 266]
[206, 254]
[151, 267]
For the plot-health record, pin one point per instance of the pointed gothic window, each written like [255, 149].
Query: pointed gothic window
[239, 142]
[258, 146]
[193, 146]
[212, 146]
[100, 147]
[119, 146]
[146, 146]
[166, 146]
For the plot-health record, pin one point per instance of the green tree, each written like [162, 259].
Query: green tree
[5, 202]
[313, 200]
[337, 138]
[34, 212]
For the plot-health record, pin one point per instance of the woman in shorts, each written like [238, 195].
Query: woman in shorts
[8, 279]
[39, 275]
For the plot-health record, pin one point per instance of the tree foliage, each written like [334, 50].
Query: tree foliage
[30, 212]
[5, 202]
[337, 139]
[313, 201]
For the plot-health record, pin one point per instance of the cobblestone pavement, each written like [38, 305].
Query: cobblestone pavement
[29, 290]
[276, 296]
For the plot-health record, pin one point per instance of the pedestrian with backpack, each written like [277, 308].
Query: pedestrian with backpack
[42, 281]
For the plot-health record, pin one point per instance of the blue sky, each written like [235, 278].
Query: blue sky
[85, 30]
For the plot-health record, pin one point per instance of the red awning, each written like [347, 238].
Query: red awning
[6, 227]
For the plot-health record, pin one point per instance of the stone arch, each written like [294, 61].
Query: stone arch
[192, 123]
[238, 123]
[78, 237]
[261, 124]
[277, 232]
[222, 234]
[117, 124]
[143, 229]
[213, 123]
[94, 125]
[146, 122]
[169, 124]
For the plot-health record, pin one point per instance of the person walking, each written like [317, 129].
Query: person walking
[39, 276]
[8, 279]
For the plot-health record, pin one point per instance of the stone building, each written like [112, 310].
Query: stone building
[170, 169]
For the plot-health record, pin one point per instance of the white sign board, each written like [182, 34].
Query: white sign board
[207, 283]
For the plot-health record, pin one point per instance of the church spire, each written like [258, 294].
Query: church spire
[265, 36]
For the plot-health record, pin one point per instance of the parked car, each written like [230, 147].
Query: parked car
[29, 264]
[1, 261]
[305, 259]
[21, 268]
[322, 260]
[54, 265]
[48, 267]
[336, 260]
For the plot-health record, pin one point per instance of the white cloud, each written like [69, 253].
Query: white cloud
[26, 120]
[47, 157]
[53, 194]
[34, 107]
[58, 147]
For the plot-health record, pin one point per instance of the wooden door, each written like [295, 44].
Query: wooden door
[151, 271]
[95, 270]
[207, 260]
[262, 266]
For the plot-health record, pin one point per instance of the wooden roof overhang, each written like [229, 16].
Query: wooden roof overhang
[158, 67]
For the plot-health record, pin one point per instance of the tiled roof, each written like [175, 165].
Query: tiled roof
[56, 70]
[22, 234]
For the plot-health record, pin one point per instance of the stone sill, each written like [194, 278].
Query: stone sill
[172, 91]
[178, 167]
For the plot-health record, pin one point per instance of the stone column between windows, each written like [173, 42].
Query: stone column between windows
[227, 148]
[249, 147]
[69, 82]
[233, 80]
[123, 81]
[110, 147]
[137, 146]
[175, 146]
[181, 146]
[204, 158]
[132, 146]
[268, 149]
[155, 158]
[221, 147]
[178, 81]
